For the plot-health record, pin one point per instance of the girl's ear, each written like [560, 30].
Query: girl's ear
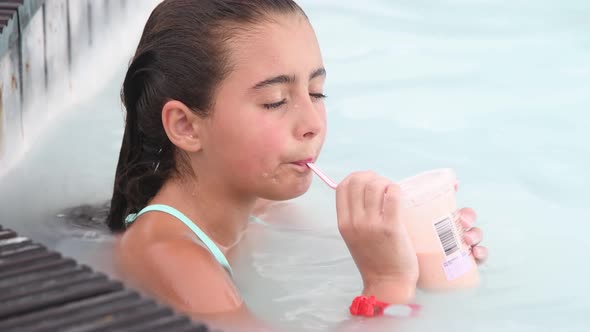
[182, 126]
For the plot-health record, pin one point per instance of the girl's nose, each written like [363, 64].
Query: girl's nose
[311, 120]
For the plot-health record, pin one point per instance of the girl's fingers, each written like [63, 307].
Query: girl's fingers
[391, 203]
[467, 217]
[356, 195]
[480, 254]
[355, 199]
[342, 210]
[374, 196]
[473, 236]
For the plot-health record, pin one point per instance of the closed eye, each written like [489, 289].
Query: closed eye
[317, 96]
[275, 105]
[271, 106]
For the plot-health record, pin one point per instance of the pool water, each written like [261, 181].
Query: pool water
[499, 91]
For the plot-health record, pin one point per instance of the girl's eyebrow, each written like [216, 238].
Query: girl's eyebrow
[286, 79]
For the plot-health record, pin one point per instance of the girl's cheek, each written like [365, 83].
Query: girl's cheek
[274, 144]
[270, 136]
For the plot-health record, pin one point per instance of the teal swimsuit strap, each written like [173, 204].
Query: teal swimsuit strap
[219, 256]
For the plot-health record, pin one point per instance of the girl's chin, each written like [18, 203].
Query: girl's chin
[289, 191]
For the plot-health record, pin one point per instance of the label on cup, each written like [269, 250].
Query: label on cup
[457, 266]
[457, 261]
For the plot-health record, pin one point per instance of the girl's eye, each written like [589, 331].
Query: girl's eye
[275, 105]
[271, 106]
[317, 96]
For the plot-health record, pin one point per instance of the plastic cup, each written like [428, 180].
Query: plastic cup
[430, 214]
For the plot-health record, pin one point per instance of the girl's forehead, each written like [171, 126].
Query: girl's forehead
[287, 43]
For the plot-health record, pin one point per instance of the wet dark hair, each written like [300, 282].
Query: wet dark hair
[183, 55]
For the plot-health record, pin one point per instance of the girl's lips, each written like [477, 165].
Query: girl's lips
[303, 162]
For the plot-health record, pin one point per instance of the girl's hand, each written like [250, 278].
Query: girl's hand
[472, 235]
[368, 207]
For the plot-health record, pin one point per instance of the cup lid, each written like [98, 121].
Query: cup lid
[426, 186]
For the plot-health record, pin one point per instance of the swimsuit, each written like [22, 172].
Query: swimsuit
[213, 249]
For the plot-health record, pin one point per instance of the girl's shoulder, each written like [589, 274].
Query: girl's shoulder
[167, 261]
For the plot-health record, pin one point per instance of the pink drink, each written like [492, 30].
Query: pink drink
[429, 213]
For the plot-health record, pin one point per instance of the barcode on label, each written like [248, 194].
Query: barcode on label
[446, 235]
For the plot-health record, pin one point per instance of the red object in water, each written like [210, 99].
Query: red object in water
[369, 306]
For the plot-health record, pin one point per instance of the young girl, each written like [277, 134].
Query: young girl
[224, 103]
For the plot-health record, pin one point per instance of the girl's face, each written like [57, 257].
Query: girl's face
[269, 117]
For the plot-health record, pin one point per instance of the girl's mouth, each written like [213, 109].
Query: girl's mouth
[303, 162]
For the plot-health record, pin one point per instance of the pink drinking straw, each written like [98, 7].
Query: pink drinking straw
[322, 176]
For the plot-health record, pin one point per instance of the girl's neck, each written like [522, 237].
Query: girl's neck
[223, 218]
